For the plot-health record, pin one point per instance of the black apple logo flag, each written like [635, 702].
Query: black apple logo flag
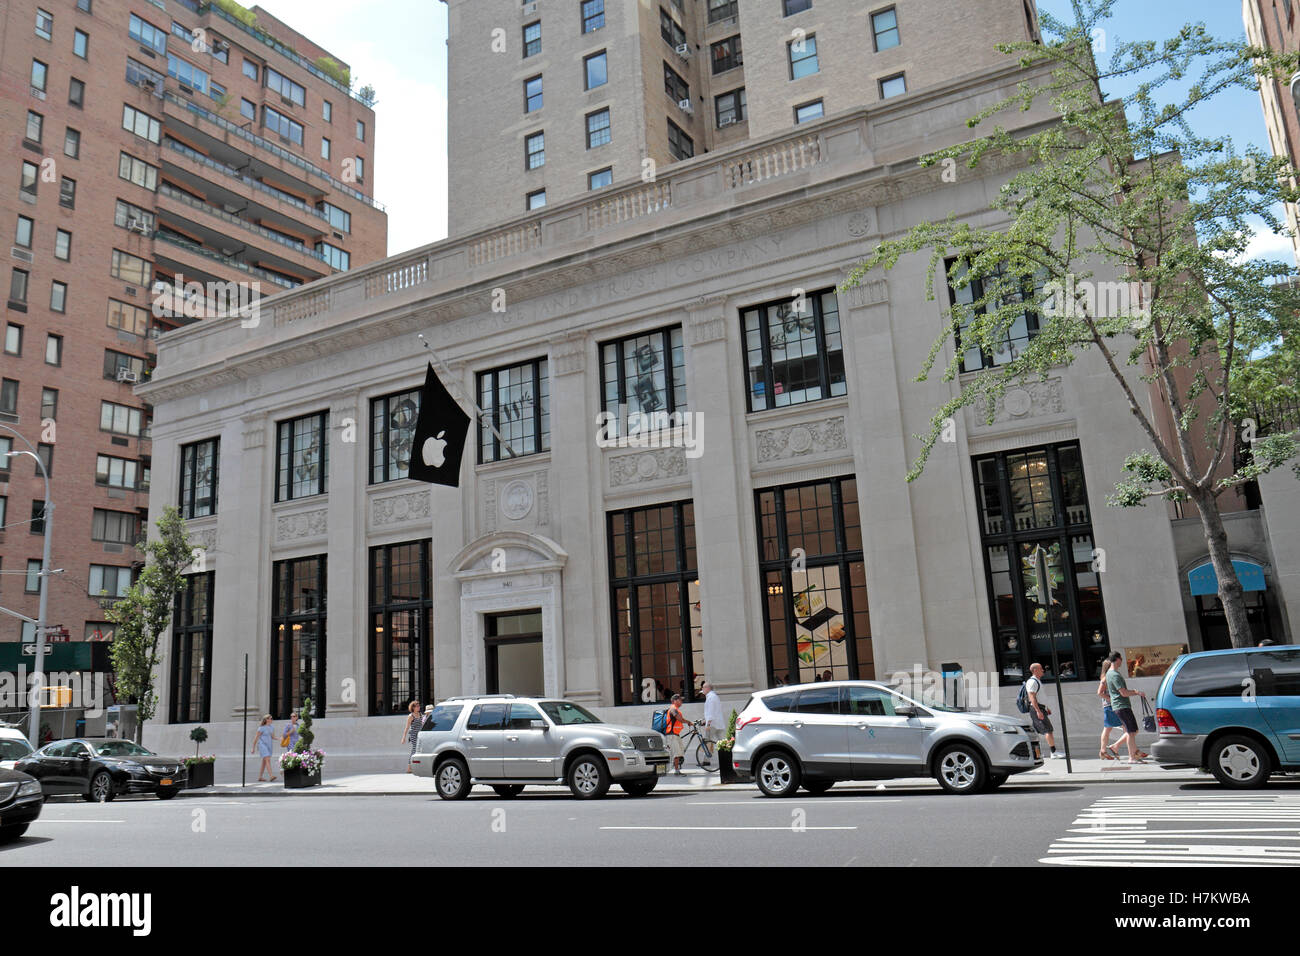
[440, 434]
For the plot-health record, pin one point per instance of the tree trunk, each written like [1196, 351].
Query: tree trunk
[1230, 592]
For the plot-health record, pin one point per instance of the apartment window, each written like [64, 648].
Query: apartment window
[247, 109]
[115, 527]
[198, 497]
[13, 339]
[71, 143]
[392, 430]
[137, 171]
[593, 15]
[128, 318]
[809, 111]
[54, 350]
[596, 70]
[657, 630]
[40, 72]
[35, 126]
[23, 234]
[83, 6]
[791, 7]
[536, 199]
[50, 403]
[401, 608]
[120, 419]
[600, 178]
[81, 43]
[793, 351]
[116, 472]
[37, 523]
[141, 124]
[339, 219]
[302, 457]
[676, 88]
[108, 581]
[116, 363]
[4, 469]
[327, 111]
[18, 286]
[324, 148]
[532, 94]
[598, 131]
[679, 144]
[191, 677]
[29, 178]
[44, 24]
[974, 298]
[893, 86]
[1033, 498]
[803, 56]
[673, 34]
[721, 10]
[250, 69]
[534, 150]
[8, 396]
[360, 167]
[131, 268]
[726, 54]
[58, 296]
[517, 402]
[730, 107]
[130, 216]
[335, 256]
[641, 377]
[279, 83]
[298, 635]
[137, 74]
[186, 73]
[532, 39]
[32, 582]
[148, 35]
[76, 92]
[815, 619]
[67, 192]
[361, 131]
[278, 123]
[62, 244]
[884, 27]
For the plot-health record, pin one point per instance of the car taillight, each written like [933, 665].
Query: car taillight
[746, 722]
[1165, 722]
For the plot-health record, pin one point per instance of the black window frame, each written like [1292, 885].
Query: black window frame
[607, 129]
[287, 429]
[529, 152]
[810, 38]
[623, 386]
[384, 467]
[674, 85]
[587, 60]
[188, 494]
[732, 55]
[670, 30]
[738, 107]
[541, 415]
[534, 46]
[382, 608]
[876, 33]
[1033, 320]
[189, 634]
[530, 97]
[680, 143]
[825, 382]
[283, 616]
[590, 11]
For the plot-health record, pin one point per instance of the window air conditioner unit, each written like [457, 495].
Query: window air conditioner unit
[136, 225]
[683, 50]
[729, 121]
[128, 375]
[685, 106]
[39, 94]
[530, 8]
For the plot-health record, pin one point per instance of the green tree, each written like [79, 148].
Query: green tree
[1125, 189]
[145, 612]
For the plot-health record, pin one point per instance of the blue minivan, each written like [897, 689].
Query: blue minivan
[1235, 713]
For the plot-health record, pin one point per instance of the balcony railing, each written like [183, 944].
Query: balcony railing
[248, 180]
[169, 192]
[234, 264]
[275, 150]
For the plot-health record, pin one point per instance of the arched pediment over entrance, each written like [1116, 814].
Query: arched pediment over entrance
[507, 552]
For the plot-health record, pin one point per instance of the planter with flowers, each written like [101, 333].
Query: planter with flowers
[726, 769]
[199, 771]
[302, 765]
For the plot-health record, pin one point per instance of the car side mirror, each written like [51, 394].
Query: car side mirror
[907, 712]
[538, 725]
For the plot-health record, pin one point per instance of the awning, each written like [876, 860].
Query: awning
[1203, 580]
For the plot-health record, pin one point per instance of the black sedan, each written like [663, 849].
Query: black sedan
[20, 803]
[99, 768]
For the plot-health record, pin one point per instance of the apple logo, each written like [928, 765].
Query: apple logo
[434, 450]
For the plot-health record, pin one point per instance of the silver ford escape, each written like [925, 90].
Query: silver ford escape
[509, 742]
[812, 735]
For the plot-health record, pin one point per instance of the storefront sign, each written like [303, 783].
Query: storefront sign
[1203, 580]
[1152, 660]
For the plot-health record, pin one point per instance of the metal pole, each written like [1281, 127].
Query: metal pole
[243, 763]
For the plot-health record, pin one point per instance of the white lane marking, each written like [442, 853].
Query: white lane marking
[762, 801]
[38, 820]
[787, 828]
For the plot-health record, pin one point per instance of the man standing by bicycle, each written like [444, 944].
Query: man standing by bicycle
[673, 727]
[714, 730]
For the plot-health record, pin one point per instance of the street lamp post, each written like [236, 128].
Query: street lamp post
[34, 728]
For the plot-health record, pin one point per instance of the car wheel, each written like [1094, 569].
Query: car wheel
[639, 788]
[818, 787]
[960, 769]
[588, 777]
[508, 789]
[1240, 762]
[9, 834]
[777, 774]
[452, 779]
[168, 793]
[101, 787]
[996, 780]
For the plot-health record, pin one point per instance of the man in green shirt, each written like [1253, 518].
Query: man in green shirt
[1119, 692]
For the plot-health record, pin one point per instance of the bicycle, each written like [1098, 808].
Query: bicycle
[705, 750]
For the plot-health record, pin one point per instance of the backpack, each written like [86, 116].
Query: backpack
[1022, 699]
[659, 722]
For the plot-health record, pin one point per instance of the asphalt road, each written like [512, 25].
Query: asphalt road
[1029, 825]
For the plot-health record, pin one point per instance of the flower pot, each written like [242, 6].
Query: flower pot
[726, 769]
[296, 779]
[200, 775]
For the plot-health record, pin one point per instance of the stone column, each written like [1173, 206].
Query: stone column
[347, 580]
[450, 530]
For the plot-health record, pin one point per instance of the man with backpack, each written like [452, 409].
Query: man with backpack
[1039, 714]
[673, 721]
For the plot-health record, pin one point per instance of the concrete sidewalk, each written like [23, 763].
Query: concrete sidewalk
[1053, 772]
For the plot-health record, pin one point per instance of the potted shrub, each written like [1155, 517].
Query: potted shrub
[726, 770]
[200, 770]
[302, 765]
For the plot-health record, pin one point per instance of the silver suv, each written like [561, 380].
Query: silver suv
[812, 735]
[509, 742]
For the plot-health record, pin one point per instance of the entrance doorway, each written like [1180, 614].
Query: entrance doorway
[1214, 623]
[514, 654]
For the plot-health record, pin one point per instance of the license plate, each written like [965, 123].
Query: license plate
[165, 782]
[661, 768]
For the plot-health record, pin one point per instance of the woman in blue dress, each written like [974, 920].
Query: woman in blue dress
[262, 746]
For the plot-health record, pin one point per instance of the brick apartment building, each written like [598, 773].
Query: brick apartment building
[148, 142]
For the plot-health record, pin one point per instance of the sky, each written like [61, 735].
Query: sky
[400, 48]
